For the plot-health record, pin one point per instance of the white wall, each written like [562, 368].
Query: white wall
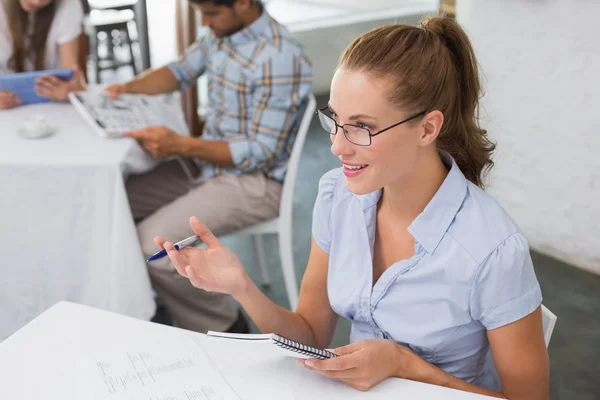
[541, 60]
[326, 27]
[162, 32]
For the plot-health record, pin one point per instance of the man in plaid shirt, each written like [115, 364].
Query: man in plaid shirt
[259, 80]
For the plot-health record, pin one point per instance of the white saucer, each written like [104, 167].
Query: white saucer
[36, 127]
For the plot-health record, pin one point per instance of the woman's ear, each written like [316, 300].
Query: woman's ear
[432, 124]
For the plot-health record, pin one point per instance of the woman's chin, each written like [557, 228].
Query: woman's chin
[359, 188]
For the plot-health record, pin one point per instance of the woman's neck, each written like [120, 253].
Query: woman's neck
[406, 198]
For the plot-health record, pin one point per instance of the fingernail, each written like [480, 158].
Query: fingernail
[310, 363]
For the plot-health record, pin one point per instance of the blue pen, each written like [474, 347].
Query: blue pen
[179, 245]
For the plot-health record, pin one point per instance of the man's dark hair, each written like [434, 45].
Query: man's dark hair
[228, 3]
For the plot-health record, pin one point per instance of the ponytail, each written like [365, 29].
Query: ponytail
[468, 142]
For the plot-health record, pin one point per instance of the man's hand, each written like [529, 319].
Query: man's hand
[8, 100]
[115, 91]
[159, 141]
[150, 82]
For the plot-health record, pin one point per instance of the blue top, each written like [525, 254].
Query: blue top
[259, 80]
[471, 272]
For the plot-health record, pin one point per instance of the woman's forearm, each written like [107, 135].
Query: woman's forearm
[409, 365]
[271, 318]
[425, 372]
[435, 376]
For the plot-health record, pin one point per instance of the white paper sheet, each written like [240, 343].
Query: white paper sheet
[156, 371]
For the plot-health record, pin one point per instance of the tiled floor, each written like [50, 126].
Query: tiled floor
[573, 295]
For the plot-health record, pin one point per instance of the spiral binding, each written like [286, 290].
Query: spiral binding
[301, 348]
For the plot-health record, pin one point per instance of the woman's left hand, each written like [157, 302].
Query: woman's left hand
[364, 364]
[56, 89]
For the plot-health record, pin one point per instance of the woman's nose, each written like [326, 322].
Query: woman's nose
[340, 146]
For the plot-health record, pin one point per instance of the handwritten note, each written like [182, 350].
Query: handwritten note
[159, 371]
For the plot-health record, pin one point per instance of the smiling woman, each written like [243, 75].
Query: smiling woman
[429, 269]
[38, 35]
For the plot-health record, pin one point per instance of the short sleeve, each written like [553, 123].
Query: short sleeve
[321, 223]
[505, 288]
[68, 21]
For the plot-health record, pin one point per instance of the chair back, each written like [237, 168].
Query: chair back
[289, 183]
[548, 322]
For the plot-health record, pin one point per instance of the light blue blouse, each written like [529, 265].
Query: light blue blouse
[471, 272]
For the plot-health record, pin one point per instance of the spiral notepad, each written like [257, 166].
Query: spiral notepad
[290, 347]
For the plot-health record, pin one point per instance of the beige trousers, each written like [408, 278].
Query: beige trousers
[163, 200]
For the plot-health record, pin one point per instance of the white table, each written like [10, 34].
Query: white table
[49, 359]
[66, 231]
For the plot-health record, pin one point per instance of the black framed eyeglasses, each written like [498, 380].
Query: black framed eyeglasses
[358, 135]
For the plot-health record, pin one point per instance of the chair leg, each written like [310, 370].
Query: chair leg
[95, 54]
[286, 252]
[110, 46]
[259, 246]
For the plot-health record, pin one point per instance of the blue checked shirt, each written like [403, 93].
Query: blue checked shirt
[258, 82]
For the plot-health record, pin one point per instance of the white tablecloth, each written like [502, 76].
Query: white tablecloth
[66, 231]
[55, 357]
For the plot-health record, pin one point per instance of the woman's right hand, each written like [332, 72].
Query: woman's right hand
[8, 100]
[214, 269]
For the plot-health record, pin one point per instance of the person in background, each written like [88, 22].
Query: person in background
[435, 277]
[37, 35]
[259, 80]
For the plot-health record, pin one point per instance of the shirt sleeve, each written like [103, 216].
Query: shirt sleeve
[321, 223]
[283, 84]
[191, 64]
[68, 21]
[505, 288]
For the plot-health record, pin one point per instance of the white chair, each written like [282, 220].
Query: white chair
[548, 322]
[282, 225]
